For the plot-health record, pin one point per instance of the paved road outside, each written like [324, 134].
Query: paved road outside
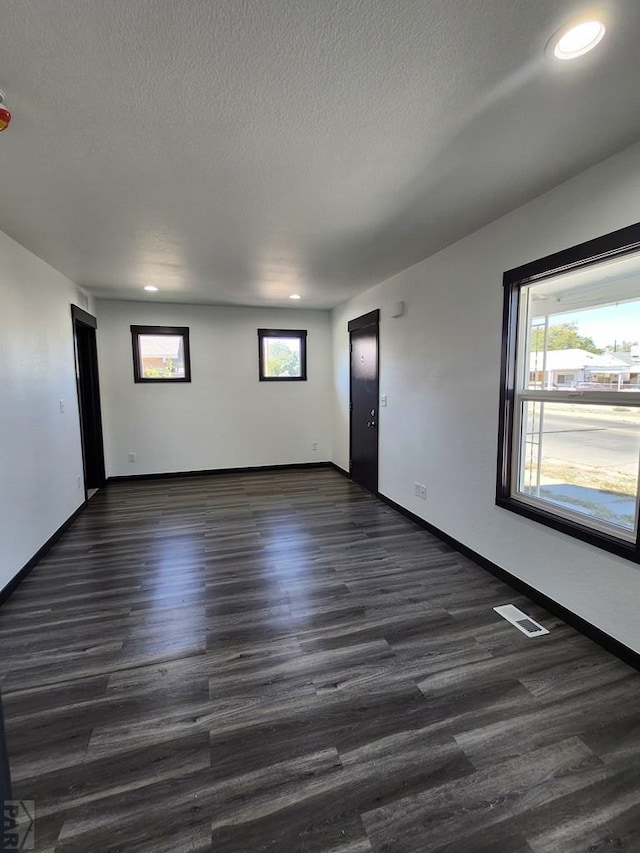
[590, 457]
[598, 439]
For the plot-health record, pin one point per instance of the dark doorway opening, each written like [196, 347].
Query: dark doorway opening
[86, 353]
[364, 392]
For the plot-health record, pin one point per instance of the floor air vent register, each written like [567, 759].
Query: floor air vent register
[520, 620]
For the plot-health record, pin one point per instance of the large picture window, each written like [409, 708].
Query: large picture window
[282, 355]
[161, 354]
[569, 451]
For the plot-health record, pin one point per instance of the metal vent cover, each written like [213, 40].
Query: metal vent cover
[520, 620]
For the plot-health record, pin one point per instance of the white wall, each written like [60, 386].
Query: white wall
[40, 450]
[225, 417]
[440, 368]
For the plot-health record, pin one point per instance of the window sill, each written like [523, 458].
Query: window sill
[608, 542]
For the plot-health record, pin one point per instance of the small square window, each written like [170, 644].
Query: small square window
[282, 355]
[161, 354]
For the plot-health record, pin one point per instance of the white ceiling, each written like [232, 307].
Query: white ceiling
[236, 151]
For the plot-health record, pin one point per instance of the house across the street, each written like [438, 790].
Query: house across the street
[578, 368]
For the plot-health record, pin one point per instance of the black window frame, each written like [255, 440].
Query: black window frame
[299, 334]
[616, 244]
[170, 331]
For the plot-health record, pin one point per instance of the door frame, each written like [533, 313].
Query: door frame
[365, 321]
[85, 320]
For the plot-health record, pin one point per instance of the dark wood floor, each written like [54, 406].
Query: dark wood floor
[280, 662]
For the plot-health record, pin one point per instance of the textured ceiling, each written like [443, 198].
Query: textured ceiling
[240, 150]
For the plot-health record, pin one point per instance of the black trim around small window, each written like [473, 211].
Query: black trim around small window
[295, 334]
[164, 361]
[610, 246]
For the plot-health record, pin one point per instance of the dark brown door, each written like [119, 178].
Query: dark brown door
[84, 333]
[364, 338]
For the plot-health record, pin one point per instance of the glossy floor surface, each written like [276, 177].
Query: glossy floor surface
[280, 662]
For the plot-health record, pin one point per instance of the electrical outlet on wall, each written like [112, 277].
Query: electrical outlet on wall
[423, 491]
[314, 446]
[132, 457]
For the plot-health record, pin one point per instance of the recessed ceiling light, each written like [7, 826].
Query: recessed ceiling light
[577, 39]
[295, 296]
[150, 287]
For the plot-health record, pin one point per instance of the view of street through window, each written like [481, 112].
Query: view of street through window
[577, 453]
[585, 457]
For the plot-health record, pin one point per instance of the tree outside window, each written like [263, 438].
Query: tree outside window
[282, 355]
